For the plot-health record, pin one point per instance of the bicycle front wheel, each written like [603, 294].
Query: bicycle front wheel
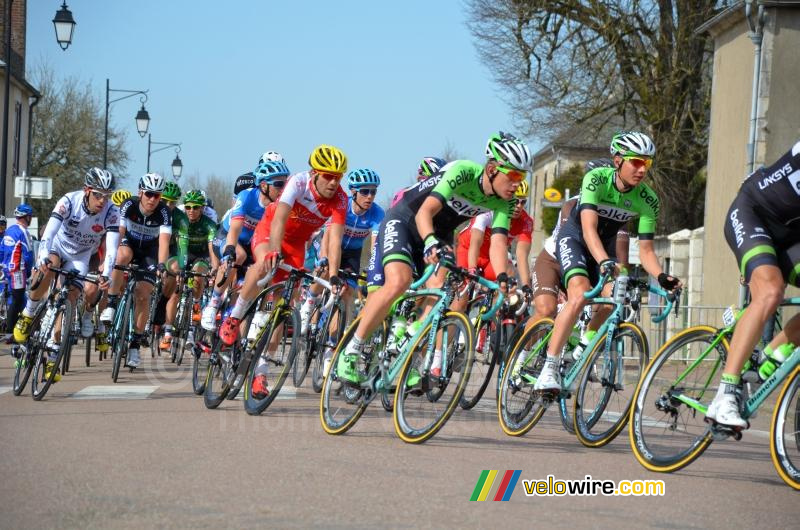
[323, 342]
[607, 384]
[199, 360]
[666, 433]
[482, 364]
[425, 400]
[274, 355]
[784, 439]
[42, 380]
[120, 343]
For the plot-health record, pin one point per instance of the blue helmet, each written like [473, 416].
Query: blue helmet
[269, 171]
[429, 166]
[360, 178]
[22, 210]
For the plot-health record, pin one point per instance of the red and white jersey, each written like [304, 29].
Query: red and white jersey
[521, 227]
[309, 210]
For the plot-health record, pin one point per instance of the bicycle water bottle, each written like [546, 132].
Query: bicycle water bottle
[257, 324]
[621, 286]
[778, 356]
[585, 340]
[396, 334]
[409, 334]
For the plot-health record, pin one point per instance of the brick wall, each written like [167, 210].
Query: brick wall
[18, 30]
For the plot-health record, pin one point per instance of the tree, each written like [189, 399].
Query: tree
[638, 63]
[217, 189]
[68, 136]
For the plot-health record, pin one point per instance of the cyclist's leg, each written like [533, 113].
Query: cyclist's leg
[546, 278]
[35, 298]
[169, 292]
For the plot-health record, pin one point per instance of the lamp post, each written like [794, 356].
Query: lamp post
[142, 117]
[64, 25]
[177, 165]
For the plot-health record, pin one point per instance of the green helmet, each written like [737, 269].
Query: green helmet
[194, 197]
[172, 192]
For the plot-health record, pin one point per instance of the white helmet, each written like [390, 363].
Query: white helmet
[631, 143]
[99, 179]
[152, 182]
[508, 151]
[271, 156]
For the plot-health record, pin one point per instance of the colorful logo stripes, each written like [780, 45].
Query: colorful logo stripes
[502, 488]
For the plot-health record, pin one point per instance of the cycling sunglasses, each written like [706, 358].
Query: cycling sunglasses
[514, 175]
[639, 162]
[193, 207]
[278, 183]
[329, 176]
[100, 196]
[366, 192]
[522, 202]
[152, 194]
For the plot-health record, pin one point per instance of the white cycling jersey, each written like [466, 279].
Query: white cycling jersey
[74, 234]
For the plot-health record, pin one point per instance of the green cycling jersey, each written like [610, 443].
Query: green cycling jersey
[191, 238]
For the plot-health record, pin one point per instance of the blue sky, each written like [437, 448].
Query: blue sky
[387, 82]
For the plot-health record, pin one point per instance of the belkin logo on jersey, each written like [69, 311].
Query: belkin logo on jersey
[615, 214]
[738, 227]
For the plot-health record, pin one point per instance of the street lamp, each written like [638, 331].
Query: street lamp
[142, 117]
[65, 25]
[177, 165]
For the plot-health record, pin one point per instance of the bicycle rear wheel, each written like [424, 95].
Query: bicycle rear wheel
[283, 335]
[119, 345]
[181, 329]
[519, 408]
[324, 339]
[607, 384]
[220, 373]
[200, 359]
[667, 434]
[423, 402]
[342, 403]
[784, 439]
[42, 381]
[302, 362]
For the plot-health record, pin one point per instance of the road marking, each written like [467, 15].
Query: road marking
[285, 393]
[4, 389]
[114, 392]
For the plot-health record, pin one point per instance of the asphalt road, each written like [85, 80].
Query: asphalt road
[147, 453]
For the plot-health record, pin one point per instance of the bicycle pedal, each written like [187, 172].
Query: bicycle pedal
[721, 432]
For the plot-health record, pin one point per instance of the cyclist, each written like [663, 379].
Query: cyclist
[3, 225]
[429, 166]
[73, 233]
[363, 219]
[763, 230]
[420, 227]
[145, 229]
[232, 244]
[194, 234]
[311, 198]
[610, 197]
[248, 180]
[17, 260]
[208, 209]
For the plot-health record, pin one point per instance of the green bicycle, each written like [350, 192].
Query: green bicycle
[668, 431]
[425, 396]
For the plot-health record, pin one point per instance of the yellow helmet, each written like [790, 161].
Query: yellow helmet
[523, 190]
[120, 196]
[328, 158]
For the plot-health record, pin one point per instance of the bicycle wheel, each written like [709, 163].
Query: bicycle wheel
[342, 403]
[42, 381]
[181, 329]
[120, 343]
[483, 363]
[221, 371]
[302, 361]
[511, 340]
[324, 339]
[199, 360]
[423, 402]
[606, 386]
[276, 350]
[87, 342]
[784, 434]
[666, 434]
[519, 408]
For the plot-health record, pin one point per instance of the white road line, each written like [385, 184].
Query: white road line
[4, 389]
[115, 392]
[285, 393]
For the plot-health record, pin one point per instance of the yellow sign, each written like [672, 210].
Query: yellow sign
[552, 195]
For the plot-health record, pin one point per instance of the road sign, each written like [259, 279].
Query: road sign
[33, 187]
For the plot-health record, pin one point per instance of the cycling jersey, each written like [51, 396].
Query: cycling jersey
[142, 231]
[249, 210]
[458, 186]
[17, 255]
[763, 223]
[192, 238]
[358, 227]
[563, 215]
[521, 227]
[74, 234]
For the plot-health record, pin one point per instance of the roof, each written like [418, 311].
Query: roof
[580, 136]
[32, 89]
[736, 12]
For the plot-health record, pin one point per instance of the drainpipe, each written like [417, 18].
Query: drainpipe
[31, 104]
[757, 36]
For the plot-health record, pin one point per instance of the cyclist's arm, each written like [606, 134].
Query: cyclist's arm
[183, 244]
[112, 243]
[278, 226]
[323, 245]
[474, 250]
[647, 255]
[233, 233]
[523, 266]
[164, 236]
[334, 234]
[589, 220]
[424, 218]
[498, 252]
[50, 231]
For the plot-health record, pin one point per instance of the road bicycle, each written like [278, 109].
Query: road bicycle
[123, 326]
[668, 429]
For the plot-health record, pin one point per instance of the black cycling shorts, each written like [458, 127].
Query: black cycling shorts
[400, 241]
[576, 260]
[757, 239]
[144, 258]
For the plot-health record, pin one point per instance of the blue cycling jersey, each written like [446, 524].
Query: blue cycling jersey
[248, 208]
[358, 227]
